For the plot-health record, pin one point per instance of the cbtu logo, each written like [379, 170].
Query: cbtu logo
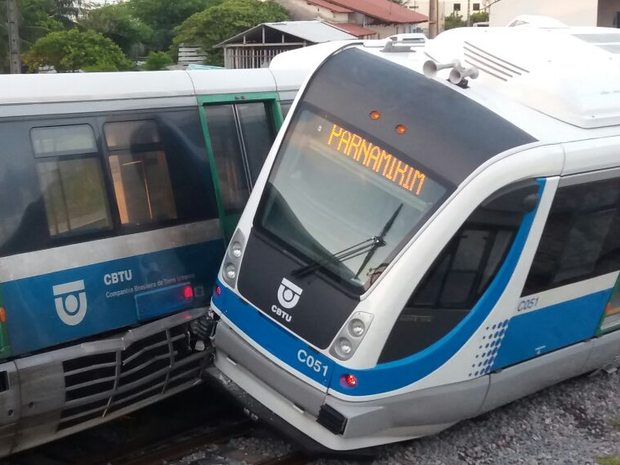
[288, 294]
[70, 302]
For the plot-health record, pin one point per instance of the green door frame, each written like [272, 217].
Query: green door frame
[229, 222]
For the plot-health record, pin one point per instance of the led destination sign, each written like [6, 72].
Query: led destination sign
[376, 159]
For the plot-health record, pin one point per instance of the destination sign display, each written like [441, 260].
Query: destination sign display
[377, 159]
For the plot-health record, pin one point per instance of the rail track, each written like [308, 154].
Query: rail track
[161, 434]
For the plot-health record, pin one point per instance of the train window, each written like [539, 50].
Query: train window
[229, 163]
[286, 107]
[461, 274]
[581, 238]
[258, 134]
[139, 172]
[124, 135]
[63, 140]
[71, 179]
[74, 195]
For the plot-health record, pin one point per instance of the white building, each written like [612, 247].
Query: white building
[571, 12]
[446, 7]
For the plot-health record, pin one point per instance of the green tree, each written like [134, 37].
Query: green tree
[157, 60]
[454, 20]
[36, 19]
[73, 50]
[218, 23]
[479, 17]
[117, 23]
[163, 16]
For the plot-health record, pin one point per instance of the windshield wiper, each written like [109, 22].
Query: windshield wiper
[381, 237]
[345, 254]
[368, 246]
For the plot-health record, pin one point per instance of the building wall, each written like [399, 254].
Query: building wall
[302, 11]
[389, 30]
[446, 8]
[570, 12]
[607, 13]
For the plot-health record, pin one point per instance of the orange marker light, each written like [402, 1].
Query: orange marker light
[375, 115]
[2, 315]
[400, 129]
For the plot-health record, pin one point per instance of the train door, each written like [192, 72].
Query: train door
[239, 131]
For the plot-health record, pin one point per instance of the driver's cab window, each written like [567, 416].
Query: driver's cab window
[462, 273]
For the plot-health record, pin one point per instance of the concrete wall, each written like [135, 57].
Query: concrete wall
[301, 11]
[607, 10]
[571, 12]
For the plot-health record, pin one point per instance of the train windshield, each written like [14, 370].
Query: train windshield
[343, 201]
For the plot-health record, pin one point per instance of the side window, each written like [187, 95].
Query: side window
[140, 173]
[581, 238]
[71, 179]
[258, 135]
[229, 163]
[241, 136]
[462, 273]
[286, 107]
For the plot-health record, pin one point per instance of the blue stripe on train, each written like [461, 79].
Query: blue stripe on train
[385, 377]
[551, 328]
[34, 323]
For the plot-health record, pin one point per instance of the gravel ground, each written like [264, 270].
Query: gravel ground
[572, 423]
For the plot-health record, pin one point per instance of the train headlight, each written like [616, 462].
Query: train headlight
[234, 255]
[351, 335]
[344, 347]
[236, 249]
[357, 327]
[230, 272]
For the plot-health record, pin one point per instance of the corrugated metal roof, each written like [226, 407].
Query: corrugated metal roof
[315, 32]
[330, 6]
[357, 31]
[384, 10]
[312, 31]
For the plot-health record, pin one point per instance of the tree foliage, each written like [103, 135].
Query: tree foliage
[117, 23]
[218, 23]
[157, 60]
[73, 50]
[479, 17]
[454, 20]
[163, 16]
[36, 19]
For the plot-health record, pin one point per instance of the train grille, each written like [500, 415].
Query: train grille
[98, 385]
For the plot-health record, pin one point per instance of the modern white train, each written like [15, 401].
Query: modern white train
[418, 249]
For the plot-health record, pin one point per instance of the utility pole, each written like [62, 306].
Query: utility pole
[468, 12]
[14, 54]
[433, 19]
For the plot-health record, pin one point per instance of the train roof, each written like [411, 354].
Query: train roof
[93, 87]
[557, 83]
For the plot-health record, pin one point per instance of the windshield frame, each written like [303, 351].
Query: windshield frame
[324, 272]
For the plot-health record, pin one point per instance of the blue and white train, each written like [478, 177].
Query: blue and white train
[422, 249]
[119, 192]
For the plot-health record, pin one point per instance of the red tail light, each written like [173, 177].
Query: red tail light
[188, 292]
[348, 381]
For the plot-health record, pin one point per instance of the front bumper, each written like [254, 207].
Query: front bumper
[285, 399]
[57, 393]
